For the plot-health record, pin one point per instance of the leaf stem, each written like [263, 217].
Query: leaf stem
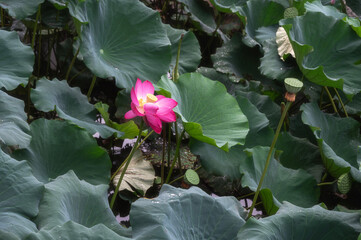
[175, 156]
[331, 99]
[280, 123]
[175, 71]
[127, 161]
[36, 26]
[340, 100]
[326, 183]
[2, 17]
[91, 87]
[163, 157]
[71, 64]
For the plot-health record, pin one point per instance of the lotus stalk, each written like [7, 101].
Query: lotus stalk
[293, 86]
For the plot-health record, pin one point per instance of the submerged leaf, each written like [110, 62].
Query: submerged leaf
[139, 175]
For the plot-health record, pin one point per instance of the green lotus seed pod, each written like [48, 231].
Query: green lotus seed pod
[191, 177]
[344, 183]
[293, 85]
[290, 13]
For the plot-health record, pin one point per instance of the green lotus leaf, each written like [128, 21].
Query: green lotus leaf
[20, 9]
[271, 64]
[228, 6]
[265, 105]
[292, 222]
[223, 78]
[218, 162]
[186, 214]
[70, 104]
[73, 230]
[69, 199]
[260, 134]
[190, 54]
[20, 195]
[134, 43]
[13, 126]
[322, 63]
[140, 175]
[236, 58]
[354, 106]
[201, 13]
[208, 112]
[285, 184]
[53, 152]
[16, 63]
[259, 13]
[299, 153]
[317, 6]
[338, 139]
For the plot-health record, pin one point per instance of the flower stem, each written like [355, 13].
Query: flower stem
[175, 156]
[163, 157]
[280, 123]
[91, 86]
[127, 162]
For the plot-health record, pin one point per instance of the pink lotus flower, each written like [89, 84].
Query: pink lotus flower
[153, 109]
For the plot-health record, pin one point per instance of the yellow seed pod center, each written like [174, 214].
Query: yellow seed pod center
[141, 102]
[151, 98]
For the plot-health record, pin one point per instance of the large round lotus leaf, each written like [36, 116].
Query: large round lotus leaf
[20, 8]
[292, 222]
[20, 195]
[208, 112]
[317, 6]
[300, 153]
[221, 163]
[201, 13]
[218, 162]
[321, 63]
[76, 8]
[13, 126]
[186, 214]
[296, 186]
[70, 104]
[58, 146]
[16, 62]
[228, 6]
[338, 138]
[190, 53]
[237, 59]
[71, 230]
[69, 199]
[126, 40]
[259, 13]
